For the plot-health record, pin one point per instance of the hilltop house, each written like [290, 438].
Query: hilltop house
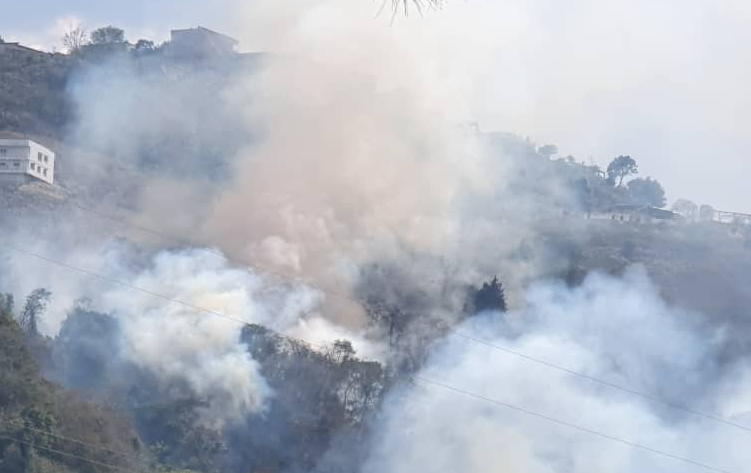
[636, 213]
[19, 51]
[24, 160]
[201, 43]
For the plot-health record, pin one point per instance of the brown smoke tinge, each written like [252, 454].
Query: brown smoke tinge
[345, 171]
[344, 147]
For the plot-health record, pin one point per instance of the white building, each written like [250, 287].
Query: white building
[24, 159]
[201, 42]
[636, 213]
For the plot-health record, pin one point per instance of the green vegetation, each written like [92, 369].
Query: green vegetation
[32, 94]
[647, 191]
[38, 419]
[621, 167]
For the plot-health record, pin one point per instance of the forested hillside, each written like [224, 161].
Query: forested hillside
[252, 264]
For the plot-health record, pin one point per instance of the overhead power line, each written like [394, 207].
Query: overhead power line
[570, 425]
[69, 455]
[188, 242]
[328, 291]
[20, 425]
[431, 383]
[418, 378]
[155, 294]
[603, 382]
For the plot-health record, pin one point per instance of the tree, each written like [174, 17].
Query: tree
[621, 167]
[489, 297]
[107, 35]
[707, 213]
[74, 39]
[35, 306]
[6, 303]
[647, 191]
[686, 208]
[341, 351]
[144, 46]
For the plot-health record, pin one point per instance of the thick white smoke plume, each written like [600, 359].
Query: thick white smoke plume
[614, 329]
[178, 342]
[193, 339]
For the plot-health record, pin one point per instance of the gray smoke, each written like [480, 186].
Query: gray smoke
[343, 149]
[616, 329]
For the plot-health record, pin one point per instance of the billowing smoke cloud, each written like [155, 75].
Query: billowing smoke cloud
[185, 326]
[613, 329]
[178, 342]
[340, 151]
[309, 165]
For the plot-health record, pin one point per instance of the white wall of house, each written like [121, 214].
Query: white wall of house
[26, 158]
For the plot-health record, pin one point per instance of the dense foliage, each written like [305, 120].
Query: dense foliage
[45, 429]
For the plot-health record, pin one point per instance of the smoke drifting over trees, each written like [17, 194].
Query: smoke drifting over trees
[256, 259]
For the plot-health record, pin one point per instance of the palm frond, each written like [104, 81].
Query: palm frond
[420, 5]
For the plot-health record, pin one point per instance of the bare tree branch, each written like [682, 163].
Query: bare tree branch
[74, 39]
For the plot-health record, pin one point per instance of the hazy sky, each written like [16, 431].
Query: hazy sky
[667, 82]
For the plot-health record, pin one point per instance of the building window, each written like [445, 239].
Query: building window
[45, 172]
[16, 164]
[2, 165]
[33, 166]
[39, 157]
[46, 159]
[3, 151]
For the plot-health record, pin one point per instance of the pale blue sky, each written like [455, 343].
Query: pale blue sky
[40, 22]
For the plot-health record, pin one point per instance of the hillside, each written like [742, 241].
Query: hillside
[38, 418]
[248, 266]
[33, 96]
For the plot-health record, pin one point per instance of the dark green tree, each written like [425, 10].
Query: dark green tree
[620, 168]
[35, 306]
[107, 35]
[489, 297]
[144, 46]
[647, 191]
